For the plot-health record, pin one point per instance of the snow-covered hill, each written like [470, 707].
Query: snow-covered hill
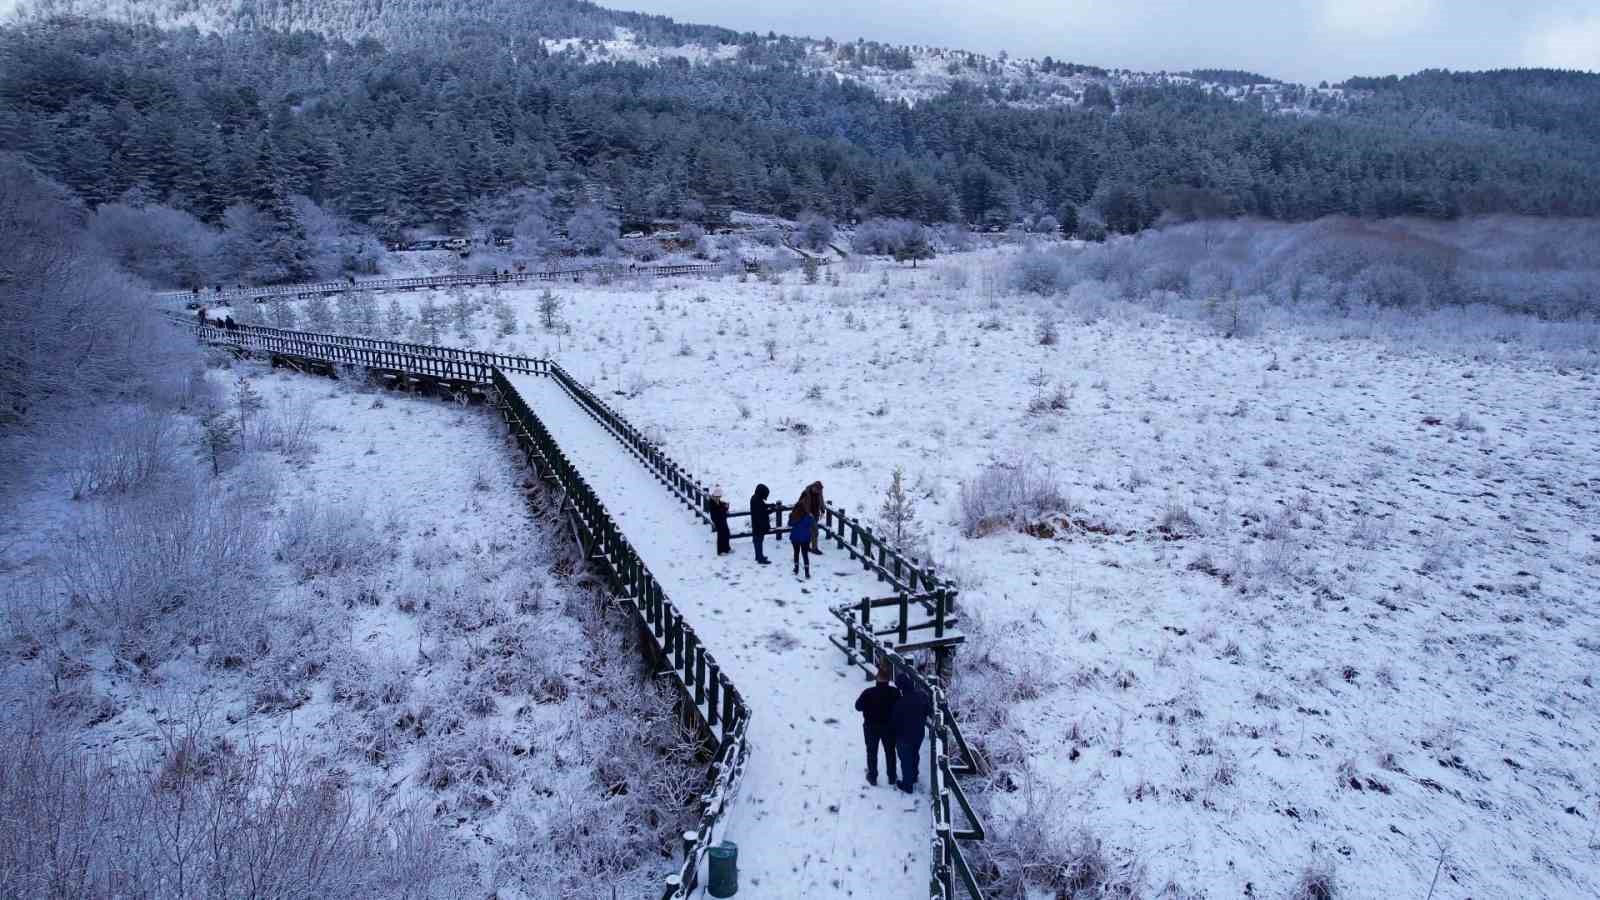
[916, 73]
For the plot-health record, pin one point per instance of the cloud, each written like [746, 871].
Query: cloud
[1377, 18]
[1572, 44]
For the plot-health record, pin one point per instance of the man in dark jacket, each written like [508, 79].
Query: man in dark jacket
[760, 521]
[876, 705]
[910, 723]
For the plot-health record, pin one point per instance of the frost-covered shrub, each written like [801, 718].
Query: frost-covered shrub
[203, 818]
[1388, 285]
[151, 570]
[1088, 300]
[320, 539]
[1234, 316]
[592, 230]
[816, 231]
[1038, 272]
[286, 428]
[883, 237]
[1035, 851]
[953, 238]
[1009, 495]
[123, 451]
[166, 247]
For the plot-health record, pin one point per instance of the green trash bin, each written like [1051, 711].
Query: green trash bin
[722, 879]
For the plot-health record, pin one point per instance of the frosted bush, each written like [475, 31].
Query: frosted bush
[124, 451]
[203, 818]
[1087, 300]
[318, 539]
[1038, 272]
[1009, 494]
[151, 571]
[286, 428]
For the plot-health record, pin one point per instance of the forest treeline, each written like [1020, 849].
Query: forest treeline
[421, 133]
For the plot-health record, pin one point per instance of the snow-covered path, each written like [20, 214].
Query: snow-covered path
[806, 822]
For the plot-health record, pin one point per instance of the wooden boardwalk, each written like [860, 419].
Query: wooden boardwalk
[754, 652]
[806, 822]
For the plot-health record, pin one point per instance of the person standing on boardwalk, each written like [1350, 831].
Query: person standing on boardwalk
[811, 499]
[718, 508]
[801, 524]
[876, 705]
[910, 723]
[760, 521]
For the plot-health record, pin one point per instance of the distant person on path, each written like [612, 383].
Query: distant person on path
[200, 314]
[718, 508]
[811, 499]
[801, 524]
[760, 521]
[228, 323]
[876, 705]
[910, 722]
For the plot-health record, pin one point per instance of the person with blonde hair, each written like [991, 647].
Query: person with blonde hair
[718, 509]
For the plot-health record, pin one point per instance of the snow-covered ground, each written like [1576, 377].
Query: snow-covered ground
[1314, 603]
[411, 634]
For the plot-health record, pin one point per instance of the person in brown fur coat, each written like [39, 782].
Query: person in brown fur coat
[811, 501]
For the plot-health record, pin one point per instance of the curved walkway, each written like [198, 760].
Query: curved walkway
[806, 822]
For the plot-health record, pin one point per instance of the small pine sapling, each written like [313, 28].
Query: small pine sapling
[283, 314]
[899, 510]
[218, 433]
[505, 318]
[319, 315]
[249, 402]
[1049, 333]
[550, 309]
[396, 320]
[366, 312]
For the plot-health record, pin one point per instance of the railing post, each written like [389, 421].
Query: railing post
[713, 691]
[691, 642]
[938, 613]
[905, 617]
[700, 676]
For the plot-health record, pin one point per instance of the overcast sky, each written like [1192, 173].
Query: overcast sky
[1297, 40]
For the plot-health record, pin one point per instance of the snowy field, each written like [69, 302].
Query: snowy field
[410, 635]
[1307, 605]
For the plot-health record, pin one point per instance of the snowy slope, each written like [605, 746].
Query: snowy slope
[1376, 569]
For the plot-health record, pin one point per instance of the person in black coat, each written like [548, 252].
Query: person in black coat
[910, 723]
[718, 508]
[760, 521]
[876, 705]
